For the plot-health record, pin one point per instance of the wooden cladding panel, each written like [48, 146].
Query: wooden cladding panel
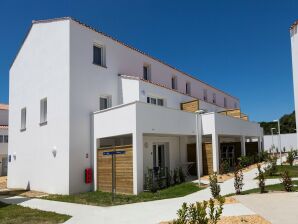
[207, 158]
[124, 170]
[191, 106]
[234, 113]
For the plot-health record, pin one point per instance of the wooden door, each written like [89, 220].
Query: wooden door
[207, 157]
[192, 157]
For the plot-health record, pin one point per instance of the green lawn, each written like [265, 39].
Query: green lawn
[293, 171]
[275, 187]
[105, 199]
[15, 214]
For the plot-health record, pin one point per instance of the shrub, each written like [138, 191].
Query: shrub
[224, 166]
[291, 157]
[214, 186]
[176, 177]
[263, 156]
[261, 179]
[238, 180]
[181, 175]
[169, 178]
[149, 183]
[197, 213]
[287, 181]
[271, 168]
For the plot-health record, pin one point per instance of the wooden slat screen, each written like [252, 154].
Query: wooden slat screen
[191, 106]
[124, 170]
[207, 158]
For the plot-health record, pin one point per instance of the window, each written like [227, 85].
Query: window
[23, 119]
[43, 111]
[187, 88]
[225, 102]
[105, 102]
[235, 105]
[1, 138]
[5, 138]
[146, 72]
[98, 55]
[160, 158]
[155, 101]
[214, 98]
[205, 94]
[174, 83]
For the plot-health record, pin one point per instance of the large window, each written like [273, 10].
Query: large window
[146, 72]
[155, 101]
[23, 119]
[174, 82]
[160, 158]
[105, 102]
[187, 88]
[98, 55]
[43, 111]
[1, 138]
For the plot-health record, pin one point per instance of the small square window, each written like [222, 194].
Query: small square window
[160, 102]
[98, 55]
[105, 102]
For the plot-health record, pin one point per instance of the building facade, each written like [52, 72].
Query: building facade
[3, 139]
[76, 92]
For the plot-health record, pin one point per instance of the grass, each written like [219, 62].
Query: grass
[15, 214]
[275, 187]
[293, 171]
[105, 199]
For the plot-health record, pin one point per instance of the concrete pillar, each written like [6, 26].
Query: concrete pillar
[199, 144]
[215, 152]
[138, 173]
[243, 149]
[259, 144]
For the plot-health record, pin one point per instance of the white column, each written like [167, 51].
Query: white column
[199, 144]
[259, 144]
[94, 156]
[138, 174]
[215, 152]
[243, 149]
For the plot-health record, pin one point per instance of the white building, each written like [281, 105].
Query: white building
[3, 139]
[76, 92]
[294, 46]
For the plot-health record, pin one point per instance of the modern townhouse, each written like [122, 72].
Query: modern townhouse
[3, 139]
[77, 94]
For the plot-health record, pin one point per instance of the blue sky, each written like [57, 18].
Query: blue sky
[241, 47]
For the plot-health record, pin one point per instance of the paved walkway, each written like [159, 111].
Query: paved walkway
[144, 212]
[275, 207]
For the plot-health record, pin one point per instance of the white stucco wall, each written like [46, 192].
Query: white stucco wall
[41, 69]
[294, 49]
[289, 141]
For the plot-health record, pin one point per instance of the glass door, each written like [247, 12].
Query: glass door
[159, 158]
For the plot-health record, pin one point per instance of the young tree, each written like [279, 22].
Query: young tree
[238, 180]
[287, 181]
[261, 179]
[214, 186]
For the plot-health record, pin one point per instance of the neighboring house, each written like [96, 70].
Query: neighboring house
[294, 48]
[3, 139]
[76, 93]
[288, 142]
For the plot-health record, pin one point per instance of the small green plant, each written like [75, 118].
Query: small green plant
[261, 179]
[287, 181]
[224, 166]
[238, 180]
[271, 168]
[214, 186]
[197, 213]
[181, 175]
[291, 157]
[176, 177]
